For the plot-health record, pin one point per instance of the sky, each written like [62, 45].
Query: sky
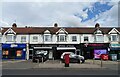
[68, 13]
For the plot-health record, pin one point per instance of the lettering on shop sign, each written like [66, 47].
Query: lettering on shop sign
[95, 44]
[14, 45]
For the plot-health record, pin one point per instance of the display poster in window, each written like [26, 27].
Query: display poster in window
[19, 53]
[5, 52]
[97, 53]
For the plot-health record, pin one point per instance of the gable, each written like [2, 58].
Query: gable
[62, 31]
[114, 31]
[9, 31]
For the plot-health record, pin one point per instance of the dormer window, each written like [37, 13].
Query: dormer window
[61, 35]
[10, 37]
[99, 37]
[47, 36]
[114, 37]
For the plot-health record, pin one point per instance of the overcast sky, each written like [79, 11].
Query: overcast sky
[72, 13]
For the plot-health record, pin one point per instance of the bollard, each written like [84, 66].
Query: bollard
[42, 60]
[93, 60]
[101, 63]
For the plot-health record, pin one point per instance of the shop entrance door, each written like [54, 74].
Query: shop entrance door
[12, 53]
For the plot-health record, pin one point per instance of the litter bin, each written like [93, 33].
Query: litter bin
[119, 56]
[113, 57]
[67, 60]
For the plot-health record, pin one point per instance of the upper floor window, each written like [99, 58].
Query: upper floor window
[99, 38]
[10, 37]
[74, 38]
[23, 38]
[35, 38]
[61, 38]
[86, 38]
[114, 37]
[47, 38]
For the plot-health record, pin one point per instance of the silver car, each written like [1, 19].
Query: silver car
[73, 57]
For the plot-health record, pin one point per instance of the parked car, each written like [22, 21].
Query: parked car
[39, 55]
[73, 57]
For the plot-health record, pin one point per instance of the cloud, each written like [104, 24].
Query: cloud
[45, 13]
[108, 18]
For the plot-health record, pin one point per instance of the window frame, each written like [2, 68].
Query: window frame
[96, 38]
[35, 40]
[22, 37]
[87, 38]
[13, 37]
[49, 36]
[74, 38]
[111, 37]
[59, 37]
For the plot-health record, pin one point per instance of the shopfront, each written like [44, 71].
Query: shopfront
[90, 49]
[115, 49]
[54, 50]
[13, 51]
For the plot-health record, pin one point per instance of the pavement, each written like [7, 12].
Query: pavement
[89, 64]
[50, 67]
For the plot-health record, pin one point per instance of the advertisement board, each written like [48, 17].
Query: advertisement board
[97, 53]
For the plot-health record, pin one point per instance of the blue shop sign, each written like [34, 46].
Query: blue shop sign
[13, 46]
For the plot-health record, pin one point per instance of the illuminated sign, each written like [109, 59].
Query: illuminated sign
[95, 44]
[97, 53]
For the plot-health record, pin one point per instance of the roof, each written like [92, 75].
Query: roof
[53, 30]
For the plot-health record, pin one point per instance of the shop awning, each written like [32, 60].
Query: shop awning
[42, 47]
[66, 48]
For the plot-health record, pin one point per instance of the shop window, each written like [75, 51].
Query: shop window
[74, 38]
[35, 38]
[18, 53]
[47, 38]
[86, 38]
[23, 39]
[5, 52]
[61, 38]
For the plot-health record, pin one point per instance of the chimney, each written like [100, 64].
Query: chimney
[14, 25]
[55, 25]
[97, 26]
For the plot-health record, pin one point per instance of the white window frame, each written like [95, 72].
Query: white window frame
[35, 38]
[74, 38]
[64, 38]
[111, 37]
[49, 38]
[96, 37]
[22, 38]
[12, 38]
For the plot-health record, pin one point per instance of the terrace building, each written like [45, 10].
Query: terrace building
[20, 42]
